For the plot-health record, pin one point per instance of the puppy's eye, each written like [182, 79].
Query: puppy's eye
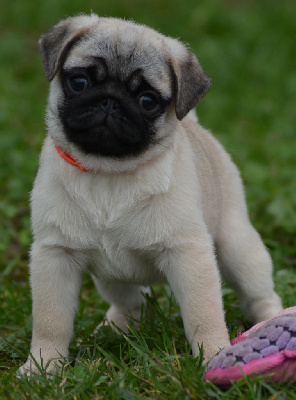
[78, 83]
[148, 101]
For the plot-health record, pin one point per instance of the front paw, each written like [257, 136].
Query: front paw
[211, 351]
[32, 367]
[210, 346]
[28, 369]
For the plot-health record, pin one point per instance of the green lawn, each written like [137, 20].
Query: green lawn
[248, 49]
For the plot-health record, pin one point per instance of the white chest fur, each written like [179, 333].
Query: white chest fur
[117, 219]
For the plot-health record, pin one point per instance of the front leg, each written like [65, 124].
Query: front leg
[192, 273]
[55, 283]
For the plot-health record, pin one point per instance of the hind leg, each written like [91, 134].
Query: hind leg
[125, 300]
[246, 266]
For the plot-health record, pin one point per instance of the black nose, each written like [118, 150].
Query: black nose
[109, 105]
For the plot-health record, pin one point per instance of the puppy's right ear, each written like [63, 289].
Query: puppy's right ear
[55, 44]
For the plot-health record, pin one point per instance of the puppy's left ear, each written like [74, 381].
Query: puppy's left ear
[191, 82]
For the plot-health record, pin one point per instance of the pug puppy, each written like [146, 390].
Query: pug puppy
[133, 190]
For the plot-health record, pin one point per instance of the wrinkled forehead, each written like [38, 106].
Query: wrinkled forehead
[125, 49]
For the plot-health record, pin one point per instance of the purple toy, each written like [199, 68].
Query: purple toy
[268, 348]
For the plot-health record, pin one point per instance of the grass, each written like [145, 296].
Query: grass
[248, 48]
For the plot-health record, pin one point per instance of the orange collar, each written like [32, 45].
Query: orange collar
[69, 158]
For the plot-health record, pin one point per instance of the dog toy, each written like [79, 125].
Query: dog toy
[268, 348]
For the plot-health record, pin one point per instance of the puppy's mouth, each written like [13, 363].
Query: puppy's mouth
[105, 127]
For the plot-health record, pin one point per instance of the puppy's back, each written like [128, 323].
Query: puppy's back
[220, 180]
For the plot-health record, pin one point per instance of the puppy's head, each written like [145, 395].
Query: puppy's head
[118, 88]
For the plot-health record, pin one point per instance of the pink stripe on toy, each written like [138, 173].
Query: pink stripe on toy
[280, 367]
[268, 348]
